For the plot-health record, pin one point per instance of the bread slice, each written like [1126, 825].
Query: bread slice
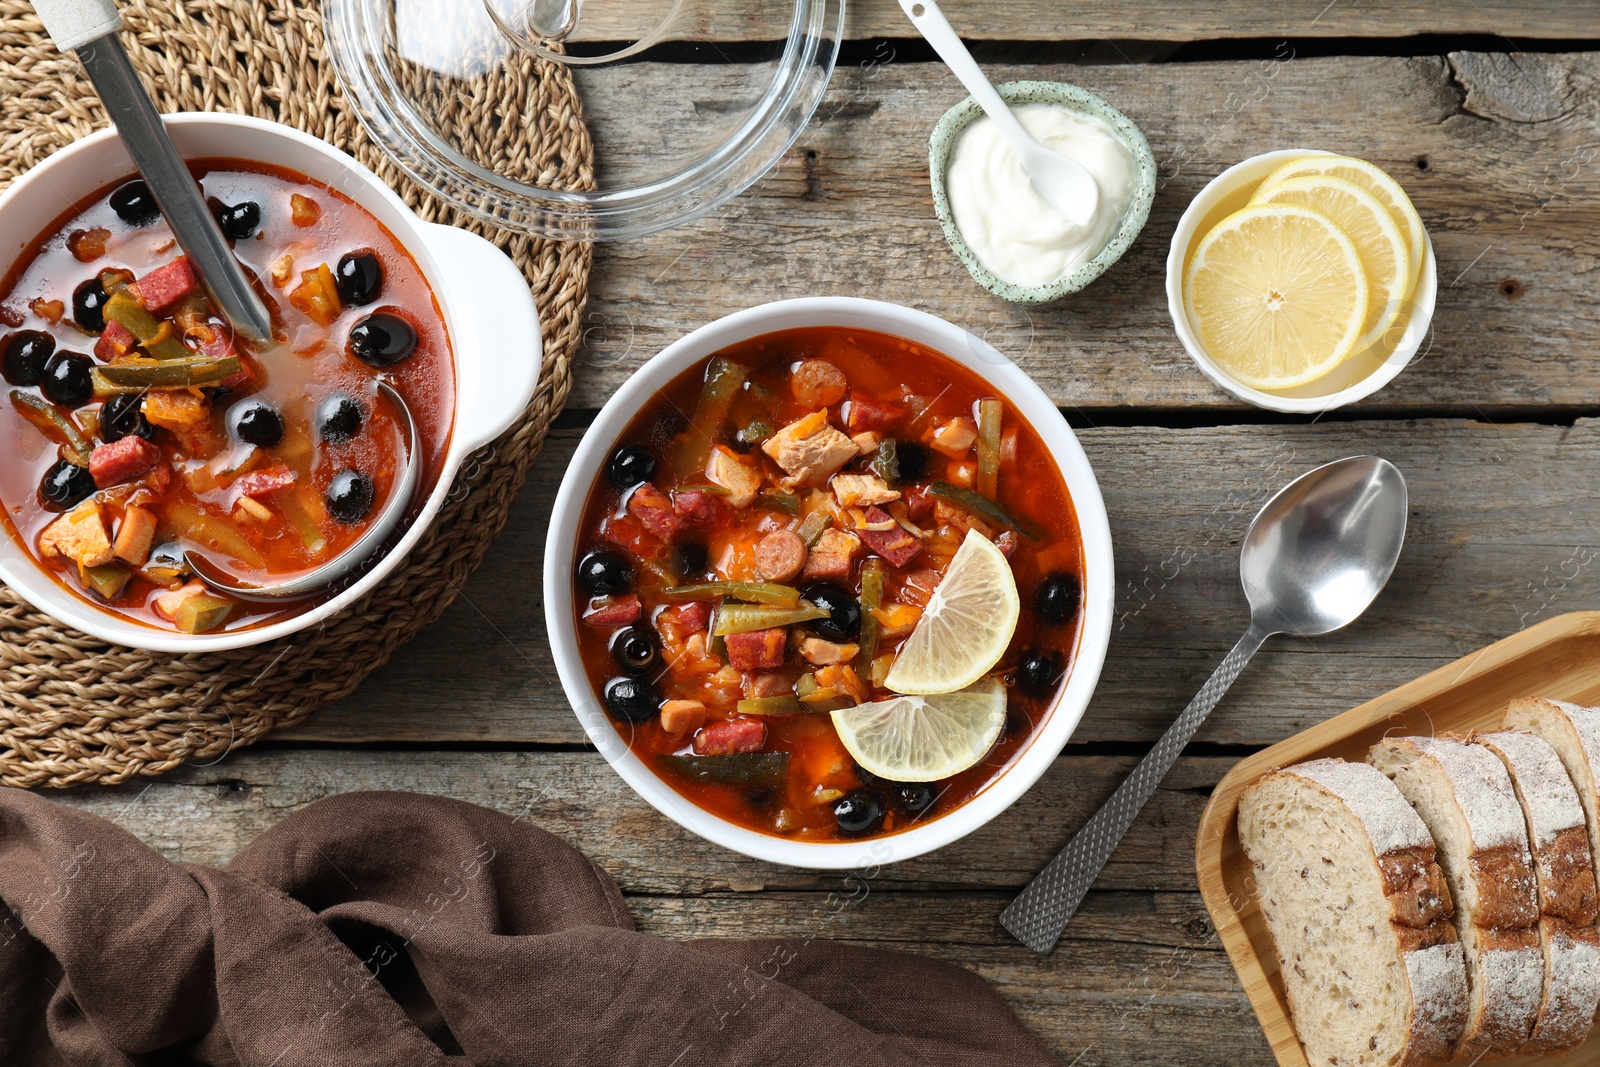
[1466, 799]
[1567, 902]
[1359, 914]
[1574, 732]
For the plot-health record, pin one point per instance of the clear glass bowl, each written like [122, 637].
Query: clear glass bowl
[687, 102]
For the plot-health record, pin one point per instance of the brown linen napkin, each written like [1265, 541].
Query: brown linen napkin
[389, 929]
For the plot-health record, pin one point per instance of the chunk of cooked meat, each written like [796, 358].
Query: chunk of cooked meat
[652, 508]
[860, 490]
[816, 383]
[682, 717]
[122, 460]
[780, 556]
[613, 612]
[731, 736]
[79, 535]
[757, 686]
[166, 285]
[898, 545]
[819, 652]
[832, 556]
[695, 506]
[868, 413]
[135, 536]
[738, 475]
[955, 438]
[809, 450]
[759, 650]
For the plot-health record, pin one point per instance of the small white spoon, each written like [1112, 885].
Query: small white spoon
[1060, 182]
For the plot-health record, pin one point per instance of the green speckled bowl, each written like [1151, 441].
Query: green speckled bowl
[948, 131]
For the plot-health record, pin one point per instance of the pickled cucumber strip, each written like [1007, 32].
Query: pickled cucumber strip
[107, 581]
[202, 612]
[812, 525]
[154, 336]
[969, 501]
[871, 600]
[778, 705]
[167, 374]
[990, 412]
[783, 596]
[746, 618]
[778, 500]
[739, 768]
[57, 425]
[886, 461]
[186, 520]
[693, 448]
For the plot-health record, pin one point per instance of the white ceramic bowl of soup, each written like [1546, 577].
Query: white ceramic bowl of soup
[566, 535]
[488, 311]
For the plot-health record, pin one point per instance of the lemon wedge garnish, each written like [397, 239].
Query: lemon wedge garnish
[1371, 228]
[1277, 295]
[924, 738]
[1373, 180]
[965, 628]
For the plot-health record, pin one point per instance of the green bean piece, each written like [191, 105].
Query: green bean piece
[967, 500]
[169, 374]
[871, 597]
[107, 581]
[693, 448]
[783, 596]
[778, 500]
[778, 705]
[812, 525]
[886, 461]
[990, 417]
[155, 337]
[56, 424]
[738, 768]
[747, 618]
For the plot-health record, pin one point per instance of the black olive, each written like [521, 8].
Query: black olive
[858, 813]
[843, 620]
[339, 418]
[349, 496]
[912, 460]
[1038, 673]
[630, 465]
[382, 340]
[123, 416]
[65, 485]
[26, 353]
[359, 279]
[632, 699]
[66, 379]
[917, 797]
[636, 649]
[89, 305]
[256, 422]
[602, 572]
[237, 221]
[691, 559]
[134, 205]
[1056, 599]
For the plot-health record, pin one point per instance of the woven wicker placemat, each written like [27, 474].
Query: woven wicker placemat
[75, 710]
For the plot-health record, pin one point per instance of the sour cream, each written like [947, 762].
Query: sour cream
[1016, 235]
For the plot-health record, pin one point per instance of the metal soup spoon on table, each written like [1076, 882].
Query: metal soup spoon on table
[1314, 558]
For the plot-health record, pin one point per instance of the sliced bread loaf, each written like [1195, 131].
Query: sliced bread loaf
[1567, 902]
[1574, 732]
[1359, 914]
[1465, 797]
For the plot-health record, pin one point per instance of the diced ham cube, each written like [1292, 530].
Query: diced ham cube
[122, 460]
[652, 508]
[738, 475]
[816, 651]
[166, 285]
[116, 341]
[695, 506]
[867, 413]
[857, 490]
[832, 556]
[956, 437]
[780, 556]
[263, 482]
[79, 535]
[690, 618]
[731, 736]
[135, 536]
[682, 717]
[899, 546]
[757, 686]
[918, 503]
[759, 650]
[613, 612]
[809, 450]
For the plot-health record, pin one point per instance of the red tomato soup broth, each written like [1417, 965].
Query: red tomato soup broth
[656, 520]
[269, 471]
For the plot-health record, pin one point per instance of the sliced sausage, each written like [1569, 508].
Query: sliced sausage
[730, 736]
[780, 556]
[816, 383]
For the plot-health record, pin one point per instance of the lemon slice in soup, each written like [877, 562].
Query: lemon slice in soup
[965, 628]
[924, 738]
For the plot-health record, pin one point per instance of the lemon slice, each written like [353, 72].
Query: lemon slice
[924, 739]
[966, 626]
[1370, 227]
[1277, 295]
[1373, 180]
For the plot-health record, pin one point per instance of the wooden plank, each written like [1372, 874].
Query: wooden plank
[1501, 535]
[1509, 193]
[1043, 20]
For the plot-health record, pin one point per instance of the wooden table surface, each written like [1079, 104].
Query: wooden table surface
[1485, 110]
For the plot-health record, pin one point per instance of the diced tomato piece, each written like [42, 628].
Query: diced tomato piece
[260, 483]
[614, 612]
[867, 413]
[691, 618]
[760, 650]
[899, 546]
[115, 342]
[918, 503]
[695, 505]
[730, 736]
[650, 506]
[122, 460]
[166, 285]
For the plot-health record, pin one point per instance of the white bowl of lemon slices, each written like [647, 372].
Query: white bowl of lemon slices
[1301, 280]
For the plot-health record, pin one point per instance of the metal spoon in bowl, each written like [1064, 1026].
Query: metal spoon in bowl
[89, 28]
[1060, 182]
[1314, 558]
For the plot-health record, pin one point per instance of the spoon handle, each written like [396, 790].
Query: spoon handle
[1042, 910]
[937, 31]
